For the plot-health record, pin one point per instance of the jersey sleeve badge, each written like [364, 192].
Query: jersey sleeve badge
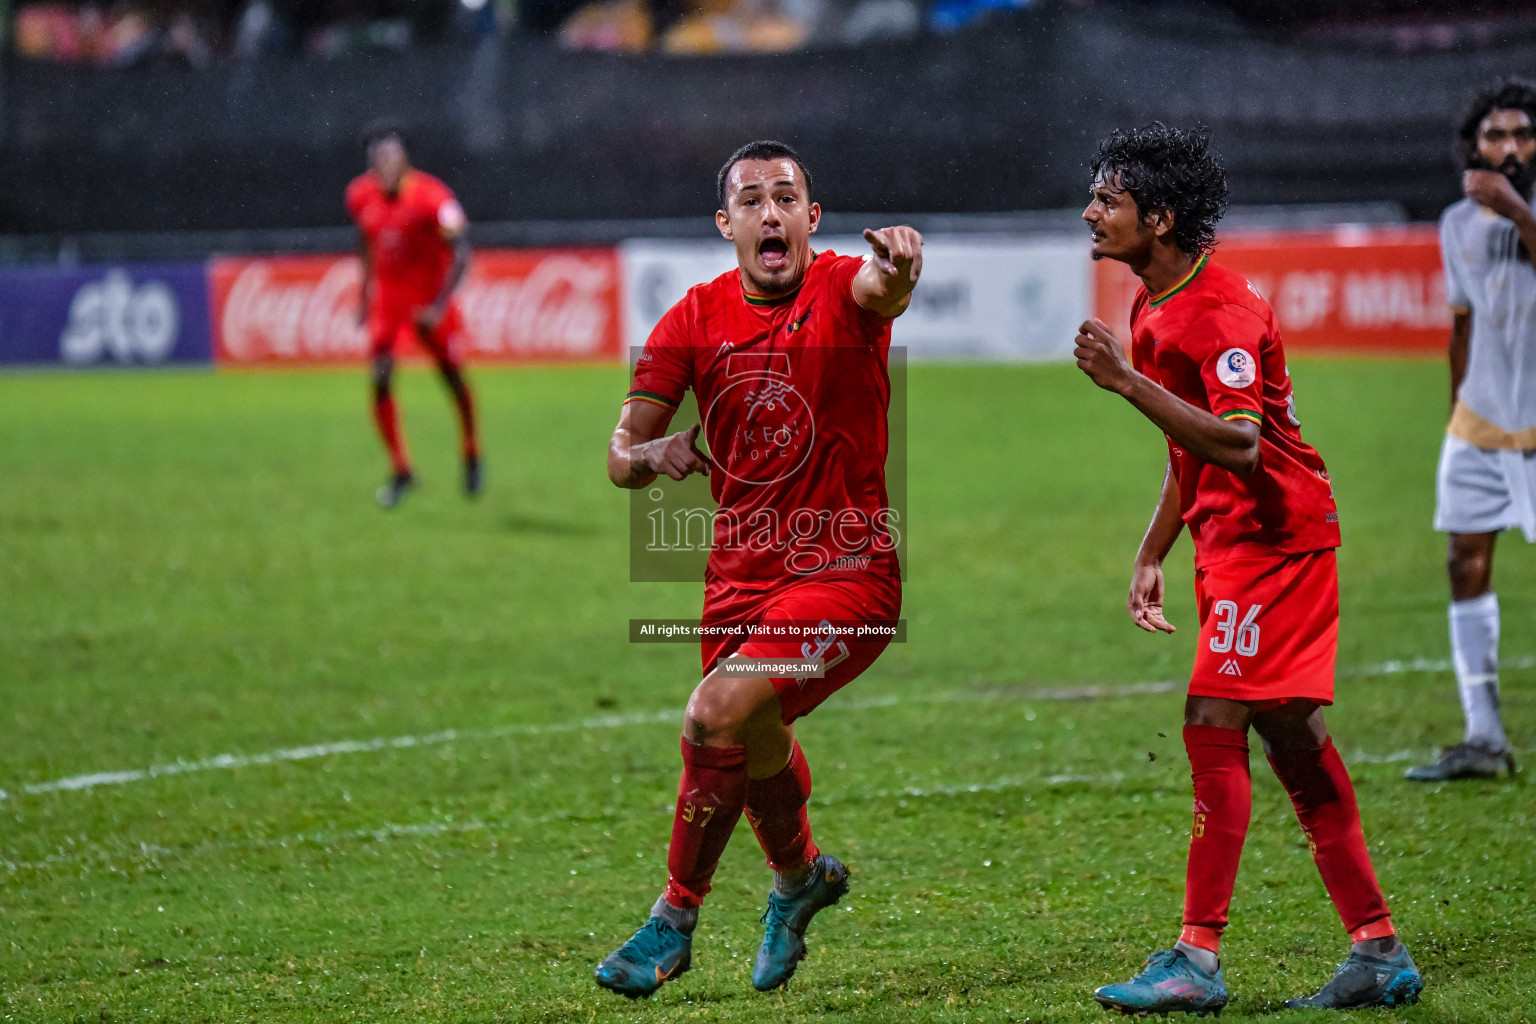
[1236, 368]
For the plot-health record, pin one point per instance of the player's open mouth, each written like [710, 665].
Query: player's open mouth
[773, 253]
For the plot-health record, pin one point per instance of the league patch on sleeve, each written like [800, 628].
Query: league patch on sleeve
[450, 217]
[1236, 368]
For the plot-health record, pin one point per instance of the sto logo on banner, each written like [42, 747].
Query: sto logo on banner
[116, 319]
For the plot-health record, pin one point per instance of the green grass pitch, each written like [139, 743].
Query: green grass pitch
[191, 565]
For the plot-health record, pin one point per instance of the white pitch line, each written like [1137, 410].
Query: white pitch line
[231, 761]
[91, 780]
[1429, 665]
[1388, 668]
[380, 833]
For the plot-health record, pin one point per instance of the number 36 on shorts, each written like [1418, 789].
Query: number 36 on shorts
[1269, 628]
[1234, 634]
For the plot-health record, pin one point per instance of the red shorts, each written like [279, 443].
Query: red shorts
[393, 326]
[1269, 628]
[842, 599]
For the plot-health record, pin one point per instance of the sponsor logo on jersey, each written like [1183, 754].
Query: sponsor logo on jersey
[1236, 368]
[769, 396]
[774, 431]
[803, 318]
[1230, 668]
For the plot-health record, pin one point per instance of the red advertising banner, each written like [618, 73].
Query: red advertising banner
[522, 305]
[1350, 289]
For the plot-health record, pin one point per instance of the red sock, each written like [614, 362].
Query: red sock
[710, 797]
[387, 419]
[469, 438]
[1324, 799]
[1218, 761]
[776, 811]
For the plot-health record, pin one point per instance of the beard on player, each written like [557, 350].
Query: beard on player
[1521, 173]
[773, 249]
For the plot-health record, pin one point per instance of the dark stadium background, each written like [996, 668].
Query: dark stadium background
[1312, 103]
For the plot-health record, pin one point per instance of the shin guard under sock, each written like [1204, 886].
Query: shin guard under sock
[1324, 799]
[710, 797]
[776, 810]
[1475, 656]
[1218, 762]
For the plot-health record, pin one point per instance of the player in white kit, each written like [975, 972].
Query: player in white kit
[1487, 478]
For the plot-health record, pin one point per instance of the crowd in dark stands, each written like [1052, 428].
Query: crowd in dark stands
[126, 33]
[198, 32]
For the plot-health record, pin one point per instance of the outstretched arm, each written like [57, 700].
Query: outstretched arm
[1231, 444]
[1145, 600]
[884, 284]
[638, 453]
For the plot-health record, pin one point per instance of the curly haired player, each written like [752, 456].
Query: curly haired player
[1209, 370]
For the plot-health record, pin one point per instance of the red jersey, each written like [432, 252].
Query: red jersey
[409, 235]
[794, 394]
[1212, 341]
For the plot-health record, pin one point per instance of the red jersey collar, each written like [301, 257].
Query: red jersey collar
[1158, 300]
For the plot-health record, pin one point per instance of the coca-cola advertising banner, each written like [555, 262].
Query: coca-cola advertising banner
[526, 305]
[1377, 289]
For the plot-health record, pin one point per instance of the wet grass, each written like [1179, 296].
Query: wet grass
[191, 566]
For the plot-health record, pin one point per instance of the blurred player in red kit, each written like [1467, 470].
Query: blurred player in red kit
[1209, 370]
[415, 252]
[787, 355]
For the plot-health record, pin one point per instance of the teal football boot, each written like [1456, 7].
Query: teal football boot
[1169, 982]
[1367, 981]
[656, 954]
[786, 919]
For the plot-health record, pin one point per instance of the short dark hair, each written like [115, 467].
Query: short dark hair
[762, 149]
[378, 131]
[1505, 94]
[1172, 169]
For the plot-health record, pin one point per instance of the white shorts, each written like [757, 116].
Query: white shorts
[1485, 490]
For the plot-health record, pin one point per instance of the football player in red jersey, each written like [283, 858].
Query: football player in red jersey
[1209, 370]
[414, 250]
[787, 355]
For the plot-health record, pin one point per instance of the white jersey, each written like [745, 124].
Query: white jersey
[1488, 272]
